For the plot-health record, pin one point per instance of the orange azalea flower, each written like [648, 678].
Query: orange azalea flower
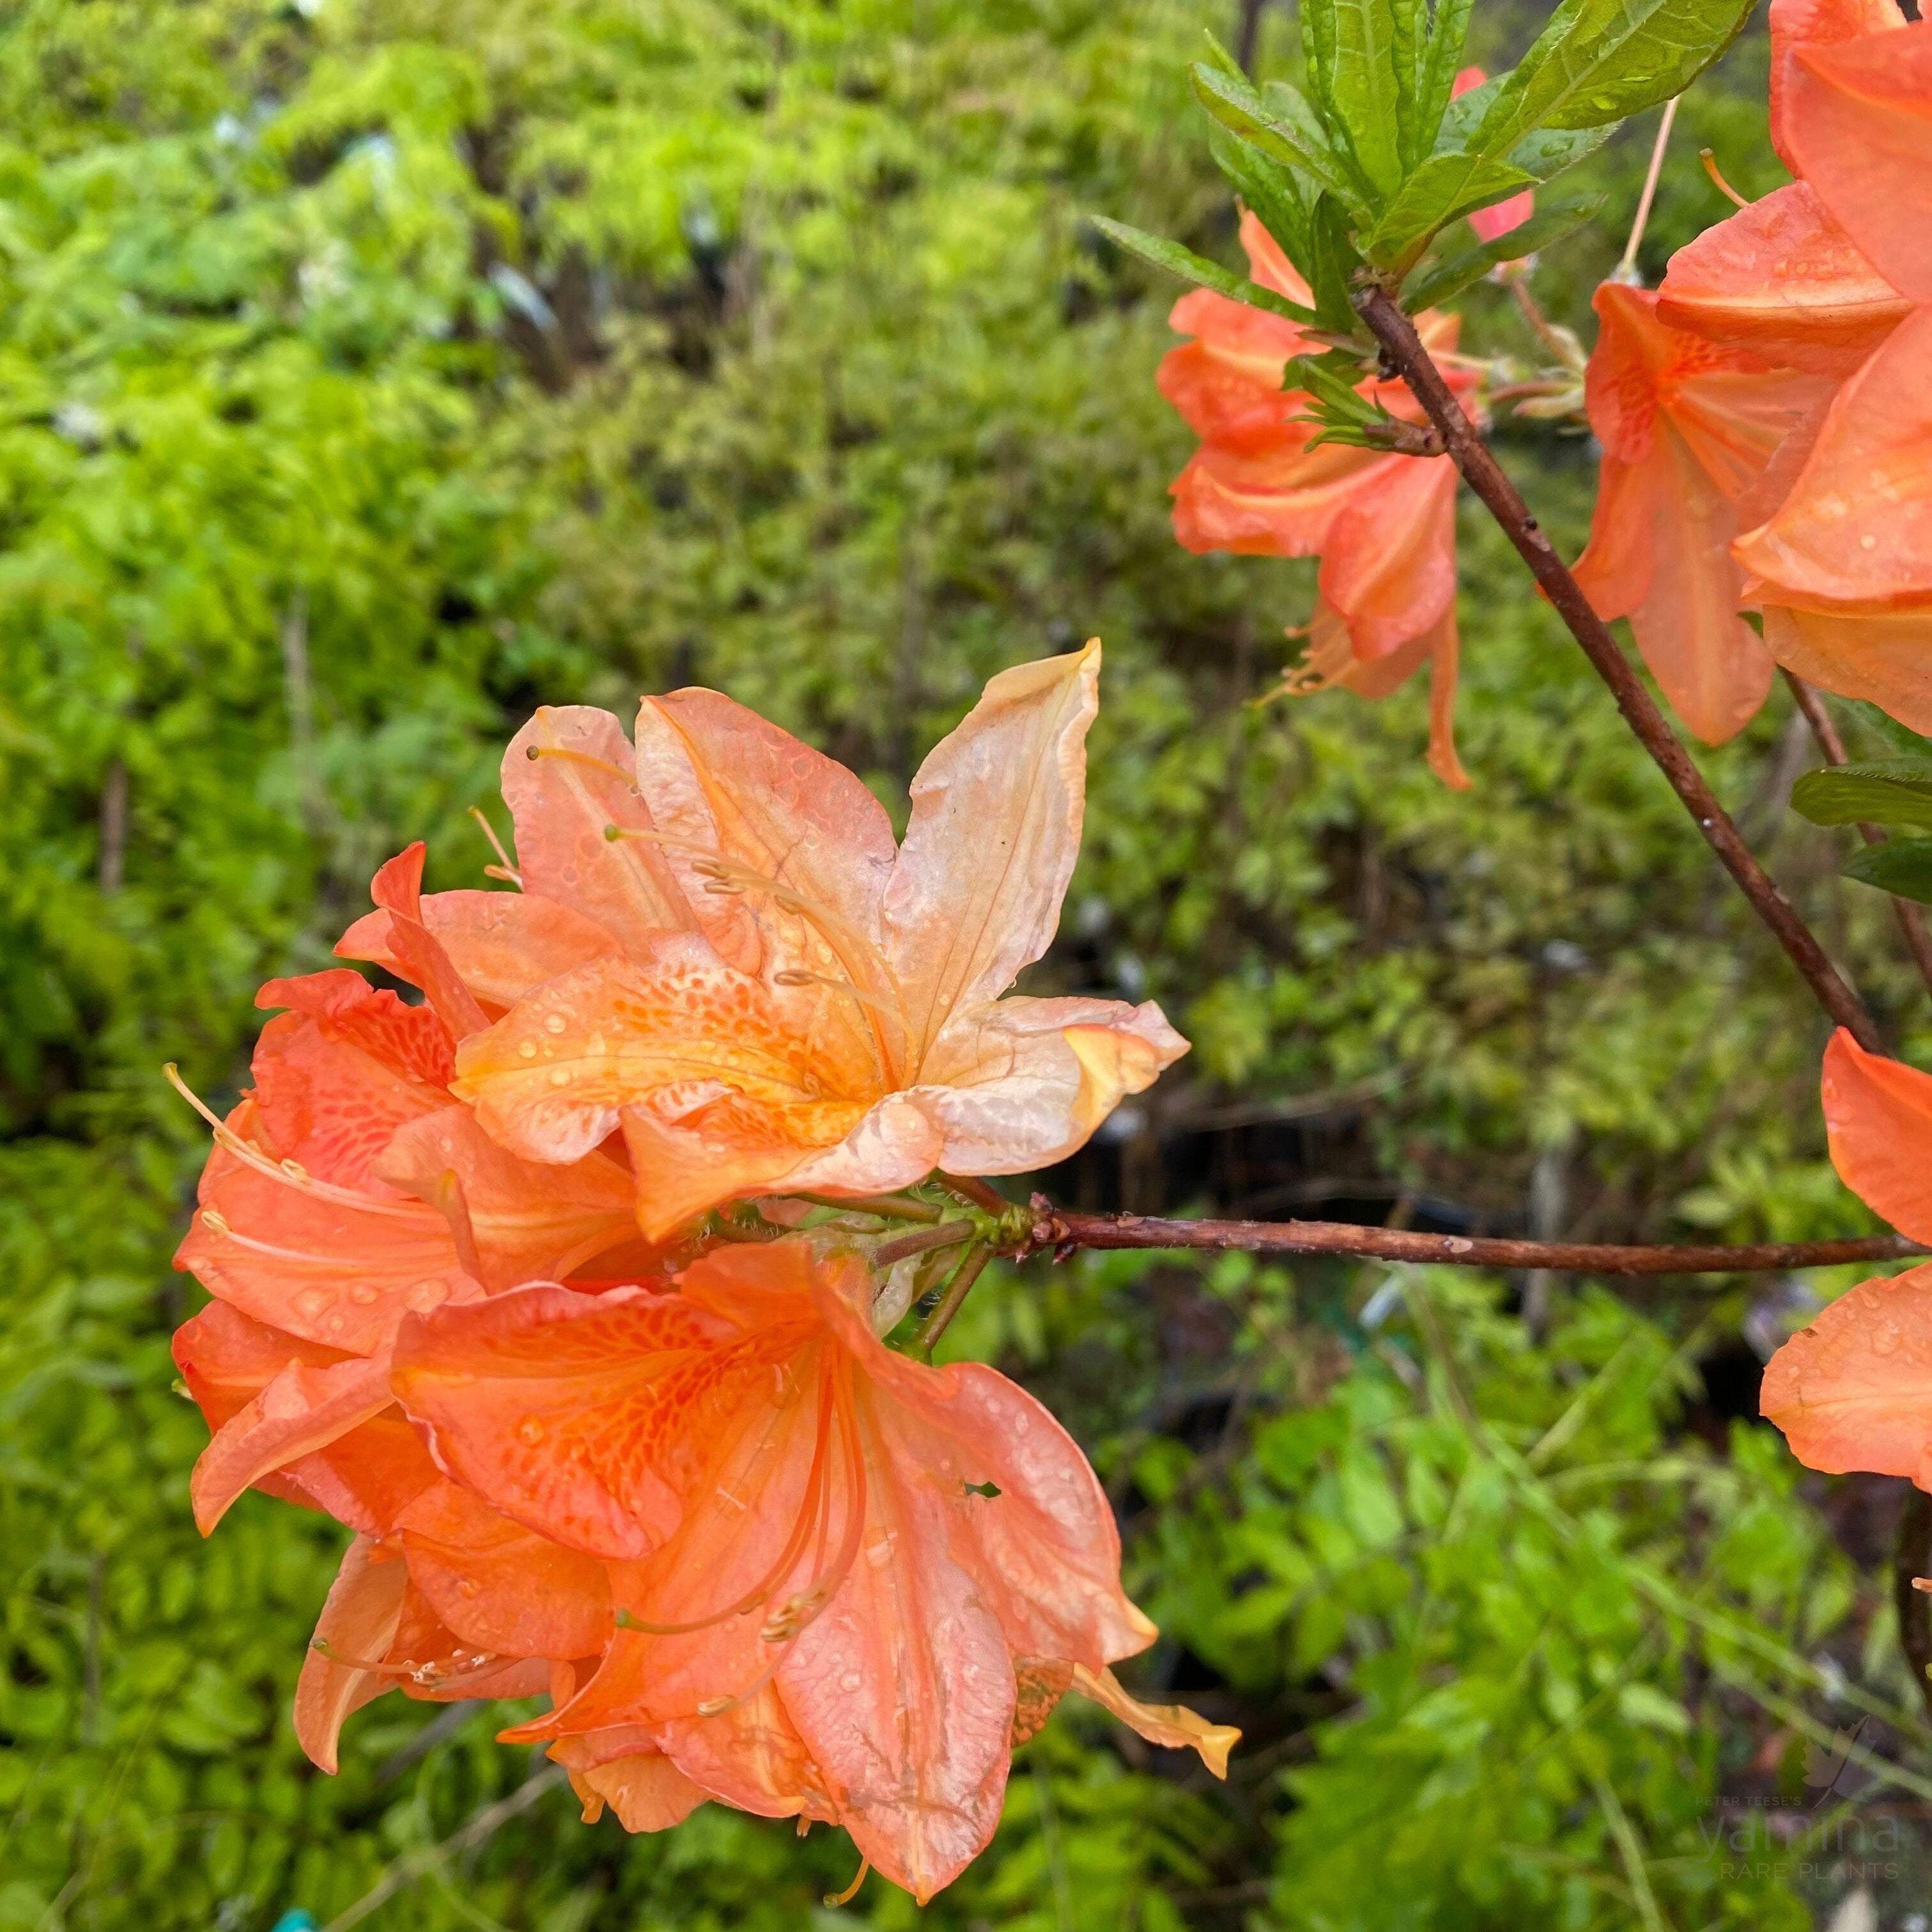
[1831, 274]
[781, 998]
[1383, 526]
[1850, 1392]
[344, 1191]
[848, 1580]
[1686, 428]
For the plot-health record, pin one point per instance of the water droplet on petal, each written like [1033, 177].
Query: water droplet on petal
[554, 1023]
[530, 1431]
[364, 1296]
[311, 1301]
[559, 1076]
[526, 1049]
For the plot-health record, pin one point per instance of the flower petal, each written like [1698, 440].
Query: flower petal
[990, 847]
[521, 1221]
[1019, 1084]
[1882, 657]
[750, 1756]
[1854, 1390]
[1878, 1118]
[502, 945]
[1856, 528]
[304, 1409]
[1782, 277]
[647, 1790]
[1173, 1725]
[357, 1627]
[320, 1264]
[1388, 565]
[721, 780]
[569, 776]
[902, 1690]
[550, 1081]
[560, 1408]
[1796, 24]
[501, 1587]
[397, 890]
[1857, 118]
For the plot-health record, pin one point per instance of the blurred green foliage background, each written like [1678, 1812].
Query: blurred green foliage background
[373, 370]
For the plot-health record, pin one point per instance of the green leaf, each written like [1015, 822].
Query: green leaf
[1598, 61]
[1445, 186]
[1438, 76]
[1902, 740]
[1270, 190]
[1442, 280]
[1896, 791]
[1296, 143]
[1900, 866]
[1193, 268]
[1332, 261]
[1352, 67]
[1545, 153]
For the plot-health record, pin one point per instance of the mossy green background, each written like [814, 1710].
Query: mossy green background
[371, 373]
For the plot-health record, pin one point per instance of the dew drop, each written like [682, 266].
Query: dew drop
[468, 1586]
[1885, 1338]
[554, 1023]
[530, 1431]
[364, 1296]
[850, 1680]
[311, 1301]
[559, 1076]
[526, 1049]
[425, 1295]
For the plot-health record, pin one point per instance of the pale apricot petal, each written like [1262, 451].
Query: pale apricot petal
[990, 846]
[902, 1690]
[1885, 659]
[397, 890]
[750, 1756]
[1388, 565]
[1019, 1084]
[1854, 1390]
[304, 1409]
[522, 1222]
[1795, 24]
[499, 1586]
[569, 777]
[1781, 277]
[321, 1266]
[1173, 1725]
[357, 1626]
[502, 945]
[1878, 1118]
[646, 1791]
[722, 783]
[367, 1478]
[551, 1079]
[1043, 1551]
[1857, 118]
[559, 1409]
[1614, 571]
[734, 1148]
[1856, 528]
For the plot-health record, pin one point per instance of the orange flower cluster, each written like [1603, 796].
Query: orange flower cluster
[472, 1299]
[1766, 414]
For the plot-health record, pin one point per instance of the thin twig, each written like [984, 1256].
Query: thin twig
[1626, 269]
[1911, 919]
[887, 1206]
[1053, 1229]
[1403, 352]
[936, 1323]
[903, 1247]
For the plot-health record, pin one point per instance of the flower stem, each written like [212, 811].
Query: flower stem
[887, 1206]
[936, 1323]
[901, 1247]
[1054, 1229]
[1403, 352]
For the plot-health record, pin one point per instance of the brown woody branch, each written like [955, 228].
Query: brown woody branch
[1062, 1233]
[1403, 353]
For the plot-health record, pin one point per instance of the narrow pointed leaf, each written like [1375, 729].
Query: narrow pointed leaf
[1162, 254]
[1445, 186]
[1240, 109]
[1900, 866]
[1898, 791]
[1270, 191]
[1437, 79]
[1442, 280]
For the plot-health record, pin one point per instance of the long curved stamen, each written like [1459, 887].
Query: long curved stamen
[798, 1610]
[506, 869]
[590, 758]
[834, 1900]
[812, 1509]
[731, 875]
[430, 1671]
[219, 1224]
[1717, 180]
[290, 1173]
